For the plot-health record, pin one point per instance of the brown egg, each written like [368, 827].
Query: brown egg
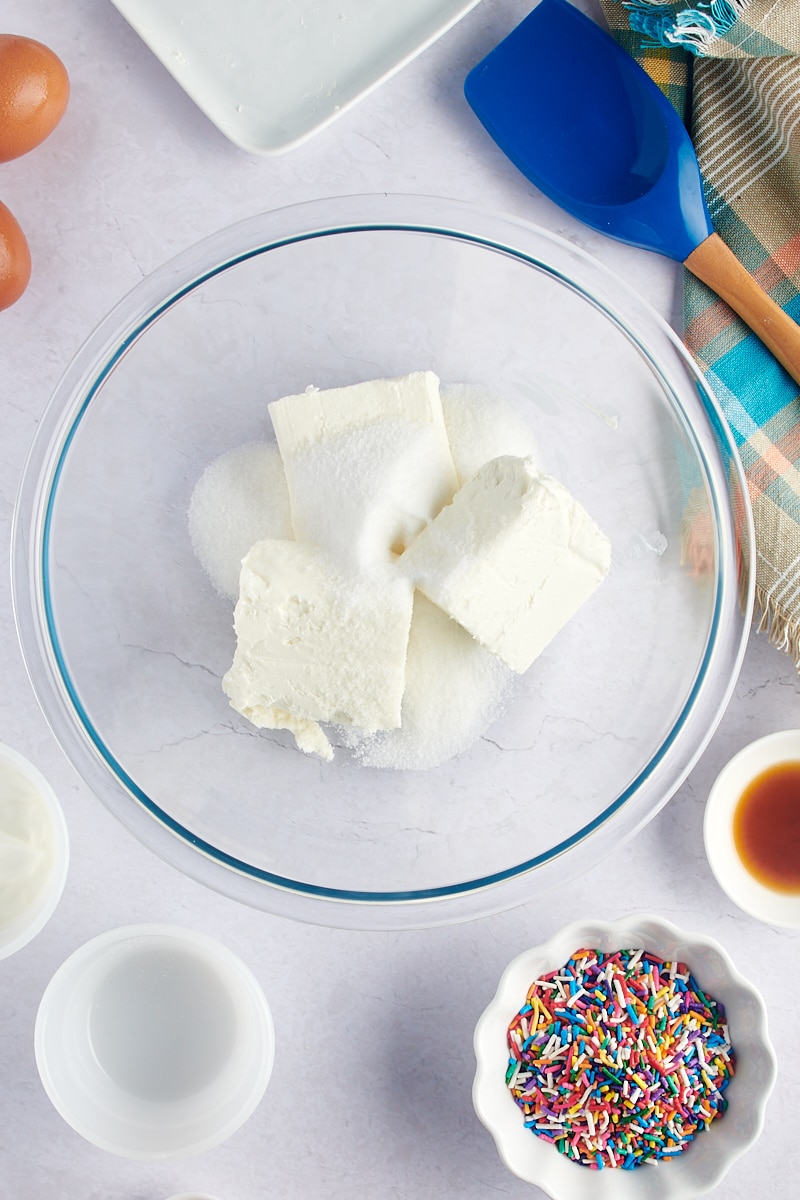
[34, 89]
[15, 259]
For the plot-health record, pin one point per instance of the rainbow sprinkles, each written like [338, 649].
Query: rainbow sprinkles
[619, 1059]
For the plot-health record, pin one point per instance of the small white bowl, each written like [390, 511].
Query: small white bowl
[704, 1163]
[32, 910]
[755, 898]
[154, 1041]
[193, 1196]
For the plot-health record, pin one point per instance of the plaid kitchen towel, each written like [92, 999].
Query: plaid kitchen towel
[732, 70]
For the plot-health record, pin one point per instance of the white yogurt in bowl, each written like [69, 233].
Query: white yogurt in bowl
[34, 851]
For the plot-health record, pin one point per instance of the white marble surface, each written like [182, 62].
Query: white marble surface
[371, 1090]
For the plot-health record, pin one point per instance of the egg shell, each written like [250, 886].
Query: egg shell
[34, 90]
[15, 259]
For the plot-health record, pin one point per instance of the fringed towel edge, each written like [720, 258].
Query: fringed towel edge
[782, 628]
[695, 29]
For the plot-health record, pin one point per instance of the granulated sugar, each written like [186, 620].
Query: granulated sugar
[366, 493]
[240, 498]
[481, 427]
[454, 690]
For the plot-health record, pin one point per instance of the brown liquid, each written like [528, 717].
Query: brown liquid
[766, 827]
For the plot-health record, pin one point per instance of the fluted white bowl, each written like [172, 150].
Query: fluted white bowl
[708, 1158]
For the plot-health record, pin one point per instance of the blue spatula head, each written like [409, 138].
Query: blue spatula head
[586, 124]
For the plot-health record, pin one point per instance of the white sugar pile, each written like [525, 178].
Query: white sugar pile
[454, 690]
[381, 486]
[480, 428]
[454, 687]
[240, 498]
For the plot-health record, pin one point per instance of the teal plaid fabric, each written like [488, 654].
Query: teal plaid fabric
[732, 70]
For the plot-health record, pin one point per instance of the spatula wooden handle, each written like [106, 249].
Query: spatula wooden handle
[718, 266]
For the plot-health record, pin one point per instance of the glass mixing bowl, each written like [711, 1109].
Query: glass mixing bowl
[126, 640]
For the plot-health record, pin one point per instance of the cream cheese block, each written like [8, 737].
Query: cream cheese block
[316, 642]
[367, 466]
[512, 559]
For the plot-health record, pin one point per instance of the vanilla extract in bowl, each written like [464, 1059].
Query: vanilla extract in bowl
[766, 827]
[751, 828]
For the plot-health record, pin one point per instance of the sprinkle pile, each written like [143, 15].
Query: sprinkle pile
[619, 1059]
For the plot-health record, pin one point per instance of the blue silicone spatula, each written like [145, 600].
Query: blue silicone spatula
[586, 124]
